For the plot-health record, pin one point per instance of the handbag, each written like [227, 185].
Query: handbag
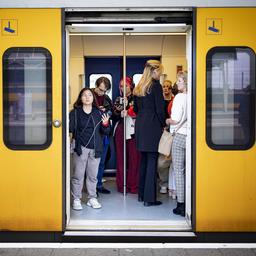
[165, 143]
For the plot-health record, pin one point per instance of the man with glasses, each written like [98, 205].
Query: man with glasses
[104, 103]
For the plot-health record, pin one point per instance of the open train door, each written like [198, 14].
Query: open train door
[31, 120]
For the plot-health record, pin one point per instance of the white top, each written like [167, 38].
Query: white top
[179, 113]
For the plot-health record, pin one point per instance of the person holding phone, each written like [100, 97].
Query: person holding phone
[88, 125]
[132, 155]
[104, 103]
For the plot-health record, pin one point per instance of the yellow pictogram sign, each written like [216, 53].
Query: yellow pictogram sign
[9, 27]
[213, 26]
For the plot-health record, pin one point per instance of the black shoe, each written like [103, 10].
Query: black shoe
[103, 190]
[180, 209]
[152, 203]
[140, 198]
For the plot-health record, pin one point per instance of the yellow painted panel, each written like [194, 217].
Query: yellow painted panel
[225, 180]
[31, 181]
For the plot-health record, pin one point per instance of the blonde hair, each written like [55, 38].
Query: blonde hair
[145, 82]
[169, 82]
[184, 76]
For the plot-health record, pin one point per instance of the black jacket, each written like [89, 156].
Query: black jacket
[150, 119]
[99, 132]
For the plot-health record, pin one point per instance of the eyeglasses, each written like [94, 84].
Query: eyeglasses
[102, 91]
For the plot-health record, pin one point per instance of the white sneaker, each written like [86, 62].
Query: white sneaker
[93, 202]
[163, 190]
[77, 205]
[172, 194]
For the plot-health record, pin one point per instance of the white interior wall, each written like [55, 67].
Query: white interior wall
[172, 49]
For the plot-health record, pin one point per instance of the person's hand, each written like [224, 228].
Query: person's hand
[102, 108]
[125, 101]
[167, 121]
[119, 108]
[105, 119]
[124, 113]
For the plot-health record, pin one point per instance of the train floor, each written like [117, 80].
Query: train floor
[126, 209]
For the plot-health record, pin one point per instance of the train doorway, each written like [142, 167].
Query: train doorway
[172, 45]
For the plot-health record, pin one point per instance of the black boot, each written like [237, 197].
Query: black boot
[180, 209]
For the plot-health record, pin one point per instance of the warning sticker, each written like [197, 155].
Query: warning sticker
[9, 27]
[214, 26]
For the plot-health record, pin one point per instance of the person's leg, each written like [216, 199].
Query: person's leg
[151, 177]
[100, 187]
[171, 183]
[179, 157]
[142, 175]
[77, 180]
[133, 158]
[163, 165]
[119, 141]
[91, 173]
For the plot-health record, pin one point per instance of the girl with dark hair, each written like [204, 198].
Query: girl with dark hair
[88, 126]
[133, 156]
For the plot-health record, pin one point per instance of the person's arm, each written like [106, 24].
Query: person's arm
[117, 109]
[109, 105]
[177, 111]
[159, 103]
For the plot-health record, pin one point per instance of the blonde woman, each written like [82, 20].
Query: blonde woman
[149, 106]
[178, 123]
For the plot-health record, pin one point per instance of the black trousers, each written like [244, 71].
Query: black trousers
[148, 176]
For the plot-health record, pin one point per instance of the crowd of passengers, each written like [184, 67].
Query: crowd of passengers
[148, 109]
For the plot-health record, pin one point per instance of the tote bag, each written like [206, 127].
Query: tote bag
[165, 143]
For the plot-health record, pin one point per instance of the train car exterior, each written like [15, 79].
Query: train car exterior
[33, 169]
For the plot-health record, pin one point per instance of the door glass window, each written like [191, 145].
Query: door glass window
[136, 78]
[230, 98]
[27, 87]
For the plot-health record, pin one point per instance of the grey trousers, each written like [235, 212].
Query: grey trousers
[84, 163]
[178, 160]
[163, 165]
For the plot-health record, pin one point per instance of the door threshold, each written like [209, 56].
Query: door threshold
[128, 225]
[131, 233]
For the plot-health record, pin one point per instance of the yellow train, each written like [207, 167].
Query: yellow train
[45, 50]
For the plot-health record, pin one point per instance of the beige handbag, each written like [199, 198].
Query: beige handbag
[165, 143]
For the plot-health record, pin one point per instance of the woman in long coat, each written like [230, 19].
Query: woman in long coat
[149, 106]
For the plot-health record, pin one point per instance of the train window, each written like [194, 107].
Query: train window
[230, 94]
[27, 89]
[94, 77]
[136, 78]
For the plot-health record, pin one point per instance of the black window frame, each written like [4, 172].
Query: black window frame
[251, 142]
[49, 108]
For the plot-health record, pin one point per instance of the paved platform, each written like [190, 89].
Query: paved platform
[128, 251]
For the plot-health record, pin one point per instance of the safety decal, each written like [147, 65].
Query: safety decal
[214, 26]
[9, 27]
